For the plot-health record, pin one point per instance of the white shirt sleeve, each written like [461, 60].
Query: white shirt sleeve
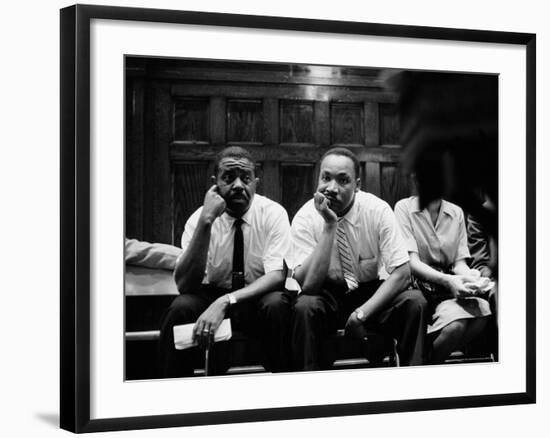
[302, 239]
[462, 251]
[278, 240]
[189, 229]
[402, 214]
[391, 243]
[151, 255]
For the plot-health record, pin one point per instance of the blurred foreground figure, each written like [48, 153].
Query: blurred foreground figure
[449, 129]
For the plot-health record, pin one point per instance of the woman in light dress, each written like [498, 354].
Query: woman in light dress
[437, 243]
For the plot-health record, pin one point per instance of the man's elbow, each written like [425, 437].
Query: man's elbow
[311, 285]
[307, 289]
[403, 276]
[180, 282]
[184, 282]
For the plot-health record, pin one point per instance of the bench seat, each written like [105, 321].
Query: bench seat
[149, 292]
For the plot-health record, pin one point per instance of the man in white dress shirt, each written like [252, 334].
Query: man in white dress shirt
[340, 241]
[231, 263]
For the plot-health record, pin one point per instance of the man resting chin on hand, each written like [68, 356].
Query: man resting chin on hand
[338, 241]
[231, 265]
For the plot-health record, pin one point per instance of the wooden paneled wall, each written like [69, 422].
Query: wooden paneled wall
[180, 114]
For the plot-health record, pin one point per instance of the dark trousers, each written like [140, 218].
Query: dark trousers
[316, 318]
[265, 319]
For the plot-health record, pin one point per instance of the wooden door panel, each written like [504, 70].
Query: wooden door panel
[259, 171]
[372, 128]
[134, 158]
[347, 123]
[371, 181]
[217, 120]
[191, 110]
[192, 120]
[157, 181]
[245, 121]
[389, 124]
[297, 185]
[393, 182]
[296, 122]
[322, 123]
[191, 181]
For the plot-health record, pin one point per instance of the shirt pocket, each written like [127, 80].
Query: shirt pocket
[254, 266]
[368, 268]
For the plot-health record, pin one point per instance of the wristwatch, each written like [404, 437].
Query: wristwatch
[360, 315]
[231, 299]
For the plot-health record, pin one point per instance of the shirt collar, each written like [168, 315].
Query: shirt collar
[415, 205]
[229, 220]
[445, 207]
[352, 216]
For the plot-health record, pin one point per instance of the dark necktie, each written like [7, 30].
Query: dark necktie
[345, 257]
[238, 257]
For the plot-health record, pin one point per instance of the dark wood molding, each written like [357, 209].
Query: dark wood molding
[286, 153]
[286, 91]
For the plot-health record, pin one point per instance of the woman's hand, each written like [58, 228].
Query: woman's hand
[460, 285]
[475, 274]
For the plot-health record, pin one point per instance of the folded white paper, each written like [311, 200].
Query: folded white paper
[292, 285]
[290, 282]
[483, 284]
[487, 287]
[183, 334]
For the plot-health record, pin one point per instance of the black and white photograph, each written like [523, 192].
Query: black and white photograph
[275, 220]
[293, 217]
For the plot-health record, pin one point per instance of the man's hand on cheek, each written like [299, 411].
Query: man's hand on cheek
[214, 204]
[322, 205]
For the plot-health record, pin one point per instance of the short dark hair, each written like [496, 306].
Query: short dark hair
[233, 152]
[345, 153]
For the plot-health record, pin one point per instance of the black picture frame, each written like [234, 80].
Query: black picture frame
[75, 217]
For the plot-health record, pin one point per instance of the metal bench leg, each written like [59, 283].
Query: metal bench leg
[395, 353]
[207, 361]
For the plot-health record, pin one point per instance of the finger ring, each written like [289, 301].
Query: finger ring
[206, 331]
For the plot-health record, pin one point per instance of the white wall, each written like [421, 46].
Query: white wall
[29, 182]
